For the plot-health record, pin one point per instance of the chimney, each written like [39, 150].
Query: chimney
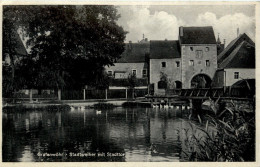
[181, 31]
[224, 42]
[146, 39]
[237, 32]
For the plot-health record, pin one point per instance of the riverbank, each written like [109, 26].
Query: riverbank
[90, 103]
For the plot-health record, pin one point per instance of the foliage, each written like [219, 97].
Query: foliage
[230, 136]
[70, 45]
[169, 84]
[104, 105]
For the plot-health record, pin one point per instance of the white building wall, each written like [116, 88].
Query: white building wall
[244, 73]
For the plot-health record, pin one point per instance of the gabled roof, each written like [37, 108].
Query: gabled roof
[134, 53]
[197, 35]
[232, 45]
[243, 56]
[164, 49]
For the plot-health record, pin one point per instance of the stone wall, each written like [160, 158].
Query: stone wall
[171, 70]
[209, 52]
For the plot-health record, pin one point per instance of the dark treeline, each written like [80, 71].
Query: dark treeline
[69, 46]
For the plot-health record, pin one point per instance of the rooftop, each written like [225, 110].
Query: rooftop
[197, 35]
[243, 56]
[164, 49]
[134, 53]
[232, 45]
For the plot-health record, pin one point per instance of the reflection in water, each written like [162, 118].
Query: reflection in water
[121, 134]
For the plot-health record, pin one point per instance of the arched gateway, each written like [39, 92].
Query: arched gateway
[201, 81]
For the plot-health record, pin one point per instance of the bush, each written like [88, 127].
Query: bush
[104, 105]
[229, 136]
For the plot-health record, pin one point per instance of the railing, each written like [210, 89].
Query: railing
[213, 92]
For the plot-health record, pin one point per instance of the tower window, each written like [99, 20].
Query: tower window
[191, 63]
[163, 64]
[207, 49]
[207, 63]
[177, 64]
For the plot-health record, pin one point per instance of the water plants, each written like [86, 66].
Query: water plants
[227, 136]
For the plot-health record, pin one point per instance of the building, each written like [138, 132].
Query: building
[164, 65]
[189, 62]
[133, 62]
[236, 62]
[198, 56]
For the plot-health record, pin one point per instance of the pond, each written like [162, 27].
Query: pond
[120, 134]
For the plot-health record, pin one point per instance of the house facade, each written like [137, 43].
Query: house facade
[132, 62]
[198, 56]
[189, 62]
[164, 65]
[236, 62]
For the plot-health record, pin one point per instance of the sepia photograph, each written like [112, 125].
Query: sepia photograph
[129, 83]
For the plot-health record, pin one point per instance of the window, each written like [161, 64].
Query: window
[134, 72]
[199, 54]
[144, 73]
[191, 48]
[207, 63]
[109, 73]
[236, 75]
[163, 64]
[191, 63]
[207, 49]
[162, 85]
[177, 64]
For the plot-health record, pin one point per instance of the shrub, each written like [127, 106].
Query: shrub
[104, 105]
[228, 136]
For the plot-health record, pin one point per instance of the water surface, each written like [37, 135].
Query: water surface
[121, 134]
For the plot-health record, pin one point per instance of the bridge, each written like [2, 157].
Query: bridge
[188, 96]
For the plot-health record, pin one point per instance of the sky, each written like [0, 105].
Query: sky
[162, 22]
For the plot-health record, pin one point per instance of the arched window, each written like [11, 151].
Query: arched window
[162, 85]
[178, 84]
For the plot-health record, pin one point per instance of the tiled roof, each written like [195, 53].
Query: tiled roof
[197, 35]
[164, 49]
[134, 53]
[243, 56]
[232, 45]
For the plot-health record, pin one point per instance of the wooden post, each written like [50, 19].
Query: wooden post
[84, 94]
[106, 94]
[59, 94]
[30, 92]
[126, 93]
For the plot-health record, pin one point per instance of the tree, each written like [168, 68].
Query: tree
[69, 44]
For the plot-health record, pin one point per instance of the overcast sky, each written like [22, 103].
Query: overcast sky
[162, 22]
